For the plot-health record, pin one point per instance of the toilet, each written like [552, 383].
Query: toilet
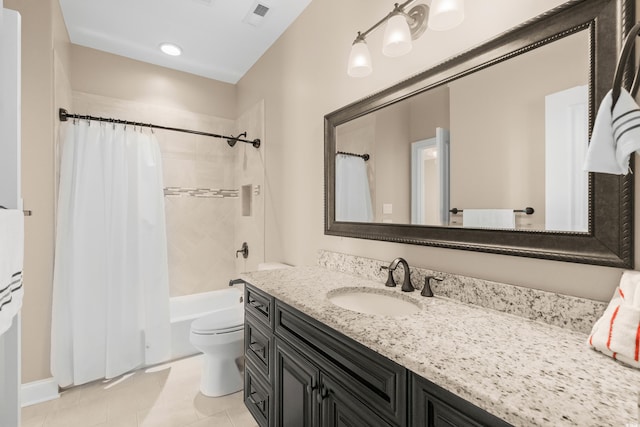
[220, 337]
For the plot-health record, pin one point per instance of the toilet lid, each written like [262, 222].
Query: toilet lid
[221, 321]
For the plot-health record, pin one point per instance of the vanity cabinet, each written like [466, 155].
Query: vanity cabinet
[305, 395]
[295, 385]
[299, 372]
[433, 406]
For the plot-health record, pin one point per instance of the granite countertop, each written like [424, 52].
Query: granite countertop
[525, 372]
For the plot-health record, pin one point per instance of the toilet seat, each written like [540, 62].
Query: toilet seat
[220, 322]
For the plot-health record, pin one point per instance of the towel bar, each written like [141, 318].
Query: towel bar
[526, 210]
[26, 213]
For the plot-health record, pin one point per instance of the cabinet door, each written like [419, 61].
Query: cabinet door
[296, 380]
[341, 409]
[373, 378]
[433, 406]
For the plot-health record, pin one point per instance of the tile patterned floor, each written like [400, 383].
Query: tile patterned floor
[162, 396]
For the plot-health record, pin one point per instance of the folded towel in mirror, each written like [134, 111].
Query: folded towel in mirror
[488, 218]
[617, 332]
[616, 135]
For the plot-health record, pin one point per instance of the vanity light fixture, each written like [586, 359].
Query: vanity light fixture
[403, 27]
[446, 14]
[171, 49]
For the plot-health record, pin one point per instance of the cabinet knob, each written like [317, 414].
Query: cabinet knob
[310, 388]
[255, 304]
[258, 400]
[256, 347]
[323, 393]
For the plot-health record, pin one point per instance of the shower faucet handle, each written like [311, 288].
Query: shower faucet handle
[244, 250]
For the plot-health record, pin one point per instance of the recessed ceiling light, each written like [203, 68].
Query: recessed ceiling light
[171, 49]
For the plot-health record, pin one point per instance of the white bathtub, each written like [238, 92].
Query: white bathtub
[186, 309]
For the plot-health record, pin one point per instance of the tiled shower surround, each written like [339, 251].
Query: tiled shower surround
[577, 314]
[200, 233]
[203, 177]
[199, 192]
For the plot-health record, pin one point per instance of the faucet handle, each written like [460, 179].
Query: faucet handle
[426, 291]
[391, 283]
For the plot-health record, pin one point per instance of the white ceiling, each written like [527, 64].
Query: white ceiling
[216, 40]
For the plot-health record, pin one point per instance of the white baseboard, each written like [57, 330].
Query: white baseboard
[39, 391]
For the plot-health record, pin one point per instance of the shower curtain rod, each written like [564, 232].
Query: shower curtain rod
[365, 156]
[64, 115]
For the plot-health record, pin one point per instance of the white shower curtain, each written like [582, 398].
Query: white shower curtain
[353, 197]
[111, 291]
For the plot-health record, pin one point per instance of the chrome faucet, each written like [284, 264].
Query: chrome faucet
[406, 284]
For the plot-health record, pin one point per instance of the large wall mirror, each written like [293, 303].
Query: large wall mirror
[484, 151]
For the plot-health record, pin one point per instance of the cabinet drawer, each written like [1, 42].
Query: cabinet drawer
[257, 345]
[257, 397]
[258, 304]
[378, 381]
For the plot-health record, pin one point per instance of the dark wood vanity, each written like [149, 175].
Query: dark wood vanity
[300, 372]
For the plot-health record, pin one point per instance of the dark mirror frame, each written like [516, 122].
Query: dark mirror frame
[609, 241]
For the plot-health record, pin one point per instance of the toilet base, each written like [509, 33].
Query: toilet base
[220, 377]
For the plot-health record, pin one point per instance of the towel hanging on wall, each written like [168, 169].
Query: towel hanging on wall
[616, 131]
[617, 332]
[11, 261]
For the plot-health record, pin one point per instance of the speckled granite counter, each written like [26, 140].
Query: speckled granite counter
[525, 372]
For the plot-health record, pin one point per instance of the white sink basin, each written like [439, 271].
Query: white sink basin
[373, 301]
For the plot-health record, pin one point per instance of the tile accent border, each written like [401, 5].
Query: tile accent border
[564, 311]
[200, 192]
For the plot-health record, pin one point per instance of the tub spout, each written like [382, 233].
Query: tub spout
[235, 282]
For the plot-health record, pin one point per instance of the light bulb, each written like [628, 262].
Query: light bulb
[359, 60]
[446, 14]
[397, 36]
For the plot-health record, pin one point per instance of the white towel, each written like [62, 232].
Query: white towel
[11, 259]
[616, 135]
[617, 332]
[488, 218]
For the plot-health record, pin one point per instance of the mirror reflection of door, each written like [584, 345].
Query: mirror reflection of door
[566, 142]
[430, 180]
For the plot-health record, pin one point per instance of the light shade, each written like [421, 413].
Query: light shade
[171, 49]
[397, 36]
[359, 60]
[446, 14]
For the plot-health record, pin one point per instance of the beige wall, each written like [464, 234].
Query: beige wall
[303, 77]
[498, 128]
[45, 45]
[105, 74]
[392, 151]
[51, 67]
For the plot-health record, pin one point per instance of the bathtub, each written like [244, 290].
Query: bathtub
[185, 309]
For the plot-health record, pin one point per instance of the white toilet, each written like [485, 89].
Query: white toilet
[220, 336]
